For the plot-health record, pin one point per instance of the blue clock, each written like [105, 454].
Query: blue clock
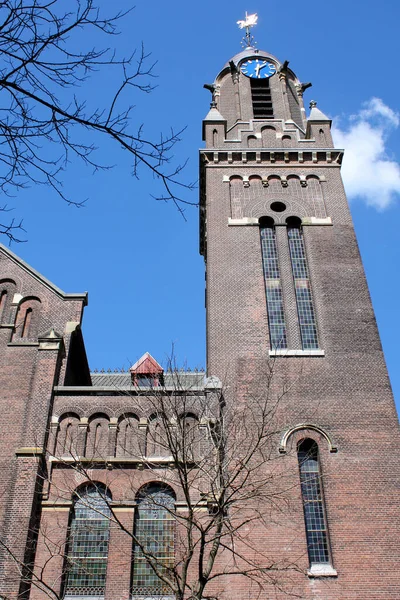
[257, 68]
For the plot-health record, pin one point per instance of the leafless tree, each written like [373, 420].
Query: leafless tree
[46, 120]
[220, 455]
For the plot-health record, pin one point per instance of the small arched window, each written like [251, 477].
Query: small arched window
[97, 437]
[7, 290]
[154, 532]
[67, 437]
[286, 141]
[128, 437]
[189, 434]
[313, 503]
[26, 323]
[157, 439]
[252, 141]
[322, 138]
[28, 318]
[87, 549]
[268, 135]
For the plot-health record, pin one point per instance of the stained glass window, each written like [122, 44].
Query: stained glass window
[155, 532]
[273, 288]
[305, 307]
[314, 514]
[87, 550]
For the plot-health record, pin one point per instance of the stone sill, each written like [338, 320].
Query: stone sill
[151, 597]
[322, 571]
[29, 451]
[22, 343]
[112, 459]
[287, 353]
[307, 221]
[69, 597]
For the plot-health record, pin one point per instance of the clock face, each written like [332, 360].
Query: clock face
[257, 68]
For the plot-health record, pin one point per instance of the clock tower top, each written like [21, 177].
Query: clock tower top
[255, 90]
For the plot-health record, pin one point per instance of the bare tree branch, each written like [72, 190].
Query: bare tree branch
[44, 122]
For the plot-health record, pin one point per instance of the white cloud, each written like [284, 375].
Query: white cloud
[368, 172]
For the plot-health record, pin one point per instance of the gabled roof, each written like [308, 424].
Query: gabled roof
[146, 364]
[38, 276]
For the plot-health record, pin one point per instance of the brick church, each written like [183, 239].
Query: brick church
[272, 475]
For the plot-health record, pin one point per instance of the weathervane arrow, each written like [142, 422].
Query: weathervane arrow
[249, 21]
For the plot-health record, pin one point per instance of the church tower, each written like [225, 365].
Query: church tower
[286, 292]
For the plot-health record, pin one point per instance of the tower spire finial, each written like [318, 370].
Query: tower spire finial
[249, 21]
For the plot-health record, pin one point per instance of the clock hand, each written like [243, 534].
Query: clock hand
[258, 67]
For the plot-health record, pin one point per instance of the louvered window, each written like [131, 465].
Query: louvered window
[261, 99]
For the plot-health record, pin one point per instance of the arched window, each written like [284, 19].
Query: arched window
[28, 319]
[67, 438]
[128, 437]
[268, 135]
[157, 440]
[87, 549]
[97, 437]
[286, 141]
[237, 196]
[189, 437]
[273, 287]
[322, 138]
[27, 322]
[7, 290]
[305, 305]
[313, 503]
[3, 300]
[215, 138]
[155, 534]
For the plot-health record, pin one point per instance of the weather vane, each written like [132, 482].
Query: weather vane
[249, 21]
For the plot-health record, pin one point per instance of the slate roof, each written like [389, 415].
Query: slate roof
[184, 380]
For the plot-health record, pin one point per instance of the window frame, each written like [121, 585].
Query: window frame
[273, 285]
[307, 450]
[141, 566]
[306, 312]
[91, 498]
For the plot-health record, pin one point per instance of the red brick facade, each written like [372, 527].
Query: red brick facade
[63, 426]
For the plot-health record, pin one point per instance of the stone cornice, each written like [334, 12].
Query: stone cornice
[272, 156]
[131, 390]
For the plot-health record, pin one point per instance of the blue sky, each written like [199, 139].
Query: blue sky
[137, 257]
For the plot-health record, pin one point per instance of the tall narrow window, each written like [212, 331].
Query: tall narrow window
[314, 514]
[305, 307]
[155, 533]
[273, 287]
[87, 550]
[3, 300]
[26, 323]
